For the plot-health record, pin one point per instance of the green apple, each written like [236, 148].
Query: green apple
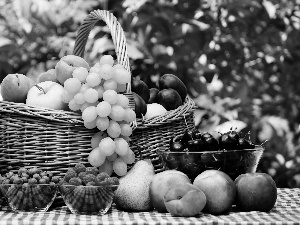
[14, 87]
[46, 94]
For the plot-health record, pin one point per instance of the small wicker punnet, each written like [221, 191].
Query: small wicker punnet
[55, 140]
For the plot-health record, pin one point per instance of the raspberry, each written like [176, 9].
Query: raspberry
[25, 175]
[36, 176]
[6, 181]
[55, 179]
[47, 179]
[17, 180]
[81, 175]
[32, 181]
[22, 170]
[88, 178]
[75, 181]
[113, 180]
[70, 174]
[91, 183]
[92, 170]
[33, 171]
[9, 174]
[24, 179]
[101, 176]
[79, 167]
[42, 181]
[49, 174]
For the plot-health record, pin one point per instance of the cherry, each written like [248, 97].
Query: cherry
[228, 142]
[246, 144]
[177, 147]
[196, 145]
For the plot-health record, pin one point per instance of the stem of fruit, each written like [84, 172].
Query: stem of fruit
[40, 88]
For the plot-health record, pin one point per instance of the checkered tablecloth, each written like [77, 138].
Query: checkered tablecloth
[285, 212]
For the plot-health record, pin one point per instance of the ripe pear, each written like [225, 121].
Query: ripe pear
[133, 191]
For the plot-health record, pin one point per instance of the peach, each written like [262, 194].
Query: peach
[14, 87]
[219, 189]
[184, 200]
[49, 75]
[66, 65]
[255, 192]
[160, 184]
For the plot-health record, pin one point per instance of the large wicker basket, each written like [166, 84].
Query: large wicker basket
[55, 140]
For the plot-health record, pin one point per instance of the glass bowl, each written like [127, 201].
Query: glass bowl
[88, 200]
[232, 162]
[29, 197]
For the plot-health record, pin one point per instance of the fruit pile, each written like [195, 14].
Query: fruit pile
[195, 141]
[85, 190]
[29, 189]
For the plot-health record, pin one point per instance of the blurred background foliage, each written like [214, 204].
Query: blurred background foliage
[239, 59]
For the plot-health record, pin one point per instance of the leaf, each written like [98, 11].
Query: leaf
[102, 45]
[133, 50]
[4, 41]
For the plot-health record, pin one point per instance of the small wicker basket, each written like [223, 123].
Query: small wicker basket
[55, 140]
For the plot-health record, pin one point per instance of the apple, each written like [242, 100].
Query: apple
[160, 184]
[14, 87]
[219, 189]
[184, 200]
[46, 94]
[154, 109]
[255, 192]
[66, 65]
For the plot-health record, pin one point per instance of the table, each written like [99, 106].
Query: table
[285, 212]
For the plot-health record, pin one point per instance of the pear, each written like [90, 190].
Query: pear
[133, 191]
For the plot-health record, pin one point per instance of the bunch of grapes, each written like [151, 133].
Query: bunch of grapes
[98, 95]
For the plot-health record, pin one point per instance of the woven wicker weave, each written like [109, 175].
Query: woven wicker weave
[148, 135]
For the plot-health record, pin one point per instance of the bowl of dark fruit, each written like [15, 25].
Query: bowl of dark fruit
[29, 190]
[194, 152]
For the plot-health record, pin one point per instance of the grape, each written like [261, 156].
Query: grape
[112, 157]
[72, 85]
[86, 104]
[129, 158]
[95, 69]
[121, 88]
[90, 95]
[100, 91]
[118, 66]
[103, 109]
[117, 113]
[96, 158]
[126, 129]
[73, 105]
[84, 87]
[79, 98]
[90, 125]
[121, 146]
[96, 138]
[66, 96]
[80, 73]
[113, 129]
[106, 167]
[107, 146]
[102, 123]
[122, 100]
[110, 85]
[107, 59]
[122, 76]
[110, 96]
[89, 114]
[106, 71]
[130, 115]
[120, 167]
[93, 79]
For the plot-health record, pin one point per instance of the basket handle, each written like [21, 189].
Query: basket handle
[117, 34]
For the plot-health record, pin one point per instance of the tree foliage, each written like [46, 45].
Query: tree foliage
[239, 59]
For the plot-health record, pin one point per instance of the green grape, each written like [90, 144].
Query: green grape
[100, 91]
[129, 158]
[74, 106]
[117, 113]
[121, 88]
[72, 85]
[103, 109]
[93, 79]
[110, 96]
[80, 73]
[89, 114]
[130, 115]
[66, 96]
[110, 85]
[126, 129]
[84, 87]
[122, 76]
[106, 72]
[118, 66]
[122, 101]
[79, 98]
[96, 138]
[112, 157]
[90, 125]
[86, 104]
[107, 59]
[122, 146]
[102, 123]
[120, 167]
[95, 69]
[113, 129]
[96, 158]
[107, 146]
[106, 167]
[90, 95]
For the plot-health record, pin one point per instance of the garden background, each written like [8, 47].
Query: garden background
[239, 59]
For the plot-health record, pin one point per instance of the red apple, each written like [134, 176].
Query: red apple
[46, 94]
[255, 192]
[184, 200]
[219, 189]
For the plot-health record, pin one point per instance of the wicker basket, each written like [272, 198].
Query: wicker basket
[55, 140]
